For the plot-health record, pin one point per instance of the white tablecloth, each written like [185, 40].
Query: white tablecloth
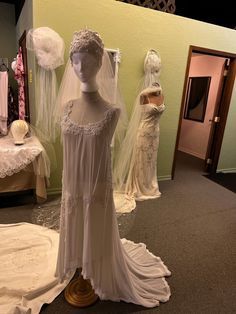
[24, 166]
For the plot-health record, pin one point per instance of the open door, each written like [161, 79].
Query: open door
[218, 121]
[220, 117]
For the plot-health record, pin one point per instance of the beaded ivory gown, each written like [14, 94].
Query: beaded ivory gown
[89, 237]
[142, 179]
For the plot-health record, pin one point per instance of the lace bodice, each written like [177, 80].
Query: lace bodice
[69, 126]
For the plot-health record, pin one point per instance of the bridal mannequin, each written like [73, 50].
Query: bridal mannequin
[118, 269]
[142, 181]
[88, 110]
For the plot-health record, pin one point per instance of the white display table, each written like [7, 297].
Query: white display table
[23, 167]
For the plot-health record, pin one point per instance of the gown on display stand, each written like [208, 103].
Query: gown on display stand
[118, 269]
[142, 181]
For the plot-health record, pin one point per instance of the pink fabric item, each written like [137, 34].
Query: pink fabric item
[19, 76]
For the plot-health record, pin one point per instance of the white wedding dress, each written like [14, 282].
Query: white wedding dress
[142, 181]
[89, 238]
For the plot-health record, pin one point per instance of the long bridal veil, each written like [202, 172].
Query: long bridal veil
[125, 158]
[48, 214]
[48, 47]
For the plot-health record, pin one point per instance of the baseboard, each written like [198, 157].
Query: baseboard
[164, 178]
[188, 151]
[53, 191]
[228, 170]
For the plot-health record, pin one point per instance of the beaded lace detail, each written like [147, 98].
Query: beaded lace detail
[95, 128]
[87, 40]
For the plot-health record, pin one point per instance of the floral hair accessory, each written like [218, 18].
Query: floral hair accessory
[87, 40]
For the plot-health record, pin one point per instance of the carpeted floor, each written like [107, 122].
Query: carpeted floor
[192, 227]
[227, 180]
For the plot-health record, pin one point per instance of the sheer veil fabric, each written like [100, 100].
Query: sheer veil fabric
[48, 47]
[118, 269]
[125, 202]
[108, 89]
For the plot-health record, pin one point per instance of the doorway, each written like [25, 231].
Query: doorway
[202, 137]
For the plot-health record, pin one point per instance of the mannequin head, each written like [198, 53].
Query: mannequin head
[85, 65]
[86, 52]
[19, 129]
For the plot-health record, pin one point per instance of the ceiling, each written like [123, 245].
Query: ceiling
[220, 13]
[18, 4]
[210, 11]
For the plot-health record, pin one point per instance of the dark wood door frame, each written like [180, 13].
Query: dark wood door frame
[217, 138]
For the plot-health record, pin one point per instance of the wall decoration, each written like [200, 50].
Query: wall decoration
[160, 5]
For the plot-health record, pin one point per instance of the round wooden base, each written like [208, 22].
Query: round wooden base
[80, 293]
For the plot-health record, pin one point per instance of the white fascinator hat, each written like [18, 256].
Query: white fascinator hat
[48, 47]
[19, 128]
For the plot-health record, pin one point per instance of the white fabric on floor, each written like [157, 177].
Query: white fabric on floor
[28, 255]
[124, 203]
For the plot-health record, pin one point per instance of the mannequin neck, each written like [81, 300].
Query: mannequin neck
[91, 97]
[89, 87]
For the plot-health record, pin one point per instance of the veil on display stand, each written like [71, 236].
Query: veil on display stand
[125, 160]
[49, 49]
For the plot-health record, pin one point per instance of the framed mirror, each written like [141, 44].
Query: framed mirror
[197, 97]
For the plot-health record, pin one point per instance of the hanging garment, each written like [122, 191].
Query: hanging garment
[13, 113]
[142, 181]
[19, 76]
[89, 237]
[3, 102]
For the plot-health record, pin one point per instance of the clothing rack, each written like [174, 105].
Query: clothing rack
[4, 64]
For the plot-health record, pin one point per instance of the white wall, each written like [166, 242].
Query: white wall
[194, 135]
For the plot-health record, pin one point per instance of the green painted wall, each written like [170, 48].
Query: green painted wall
[134, 30]
[8, 38]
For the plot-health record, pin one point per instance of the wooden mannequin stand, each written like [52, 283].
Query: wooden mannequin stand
[79, 292]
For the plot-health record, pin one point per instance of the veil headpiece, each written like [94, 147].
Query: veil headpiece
[88, 41]
[49, 48]
[152, 68]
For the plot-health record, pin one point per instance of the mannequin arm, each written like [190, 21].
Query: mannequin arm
[154, 98]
